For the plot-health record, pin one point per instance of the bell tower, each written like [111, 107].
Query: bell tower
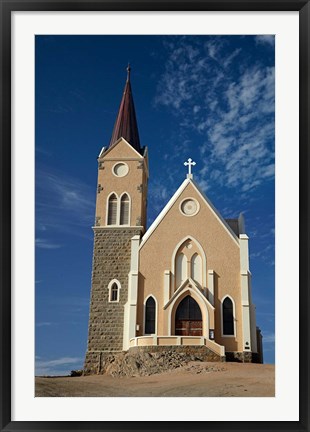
[119, 223]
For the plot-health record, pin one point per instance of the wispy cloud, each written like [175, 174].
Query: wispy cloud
[265, 39]
[43, 324]
[158, 194]
[269, 338]
[60, 366]
[64, 103]
[45, 244]
[63, 204]
[69, 308]
[71, 193]
[232, 113]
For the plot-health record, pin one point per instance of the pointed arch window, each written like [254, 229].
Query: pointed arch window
[181, 269]
[228, 317]
[112, 210]
[150, 313]
[114, 291]
[124, 216]
[196, 268]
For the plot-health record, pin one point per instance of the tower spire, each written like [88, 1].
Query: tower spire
[128, 71]
[126, 122]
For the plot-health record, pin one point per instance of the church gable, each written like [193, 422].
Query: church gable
[187, 207]
[120, 150]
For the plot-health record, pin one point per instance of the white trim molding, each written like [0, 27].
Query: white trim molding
[210, 291]
[167, 293]
[244, 252]
[130, 308]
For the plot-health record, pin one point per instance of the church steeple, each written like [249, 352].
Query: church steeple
[126, 122]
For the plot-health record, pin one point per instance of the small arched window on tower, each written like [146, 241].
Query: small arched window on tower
[114, 288]
[112, 210]
[124, 219]
[228, 317]
[150, 312]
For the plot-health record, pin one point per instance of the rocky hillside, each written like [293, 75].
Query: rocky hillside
[138, 363]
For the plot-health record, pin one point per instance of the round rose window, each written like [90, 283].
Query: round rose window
[189, 207]
[120, 169]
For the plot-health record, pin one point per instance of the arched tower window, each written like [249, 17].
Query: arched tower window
[114, 291]
[150, 313]
[112, 210]
[196, 268]
[181, 269]
[124, 217]
[228, 317]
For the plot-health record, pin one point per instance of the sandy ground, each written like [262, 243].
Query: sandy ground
[195, 379]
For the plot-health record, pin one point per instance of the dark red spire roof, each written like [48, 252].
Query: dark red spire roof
[126, 122]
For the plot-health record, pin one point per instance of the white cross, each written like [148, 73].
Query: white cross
[190, 163]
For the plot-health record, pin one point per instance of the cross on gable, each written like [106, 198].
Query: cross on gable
[189, 163]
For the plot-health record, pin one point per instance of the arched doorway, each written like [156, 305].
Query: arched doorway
[188, 318]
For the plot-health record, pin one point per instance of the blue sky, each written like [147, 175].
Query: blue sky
[210, 98]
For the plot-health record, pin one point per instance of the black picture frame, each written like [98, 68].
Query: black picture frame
[9, 6]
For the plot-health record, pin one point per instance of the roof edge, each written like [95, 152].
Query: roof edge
[164, 211]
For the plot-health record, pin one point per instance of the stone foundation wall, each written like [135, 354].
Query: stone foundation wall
[242, 357]
[95, 361]
[196, 352]
[111, 260]
[144, 361]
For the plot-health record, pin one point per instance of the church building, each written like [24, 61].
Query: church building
[182, 283]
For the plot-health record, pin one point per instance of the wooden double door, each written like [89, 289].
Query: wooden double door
[188, 318]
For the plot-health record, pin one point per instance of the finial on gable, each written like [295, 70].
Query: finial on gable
[190, 163]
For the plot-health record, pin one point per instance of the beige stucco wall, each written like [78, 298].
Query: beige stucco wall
[222, 255]
[136, 176]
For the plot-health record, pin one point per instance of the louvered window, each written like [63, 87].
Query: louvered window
[112, 215]
[228, 317]
[124, 210]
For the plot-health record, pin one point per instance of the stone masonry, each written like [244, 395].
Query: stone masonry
[149, 360]
[242, 357]
[111, 260]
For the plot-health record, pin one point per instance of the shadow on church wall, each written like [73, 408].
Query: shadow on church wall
[140, 306]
